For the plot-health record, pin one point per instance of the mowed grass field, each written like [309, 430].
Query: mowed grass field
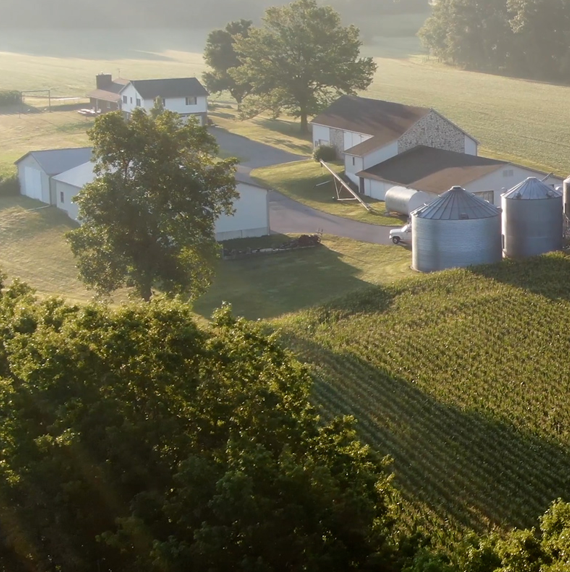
[523, 121]
[462, 377]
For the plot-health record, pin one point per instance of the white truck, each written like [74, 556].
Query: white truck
[403, 234]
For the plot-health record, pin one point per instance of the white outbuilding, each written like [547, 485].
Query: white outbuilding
[36, 170]
[251, 209]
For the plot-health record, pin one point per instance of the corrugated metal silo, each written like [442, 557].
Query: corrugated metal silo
[532, 219]
[403, 200]
[457, 229]
[566, 196]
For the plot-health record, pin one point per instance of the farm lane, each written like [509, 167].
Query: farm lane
[285, 214]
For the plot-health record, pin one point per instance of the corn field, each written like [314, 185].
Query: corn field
[463, 377]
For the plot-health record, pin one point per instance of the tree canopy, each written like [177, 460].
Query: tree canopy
[300, 60]
[148, 219]
[523, 37]
[221, 57]
[132, 440]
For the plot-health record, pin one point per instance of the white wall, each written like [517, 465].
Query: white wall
[376, 189]
[353, 165]
[501, 181]
[470, 146]
[67, 192]
[351, 139]
[321, 135]
[131, 94]
[30, 163]
[251, 216]
[381, 155]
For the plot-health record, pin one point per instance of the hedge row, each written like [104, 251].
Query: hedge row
[9, 186]
[10, 97]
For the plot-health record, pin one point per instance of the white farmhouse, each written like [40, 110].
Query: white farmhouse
[367, 132]
[251, 208]
[186, 96]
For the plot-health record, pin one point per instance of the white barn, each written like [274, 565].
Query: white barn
[366, 132]
[36, 170]
[250, 219]
[435, 171]
[185, 96]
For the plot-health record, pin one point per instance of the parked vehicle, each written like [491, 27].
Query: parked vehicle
[403, 234]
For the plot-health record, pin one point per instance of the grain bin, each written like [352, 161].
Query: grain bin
[456, 229]
[403, 200]
[532, 219]
[566, 197]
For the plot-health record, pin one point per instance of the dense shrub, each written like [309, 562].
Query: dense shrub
[10, 97]
[324, 153]
[9, 186]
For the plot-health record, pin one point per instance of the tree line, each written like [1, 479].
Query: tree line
[528, 38]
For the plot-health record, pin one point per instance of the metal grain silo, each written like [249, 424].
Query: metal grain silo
[403, 200]
[532, 219]
[566, 196]
[457, 229]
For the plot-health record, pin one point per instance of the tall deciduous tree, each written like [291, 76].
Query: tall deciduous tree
[220, 55]
[148, 219]
[131, 440]
[301, 59]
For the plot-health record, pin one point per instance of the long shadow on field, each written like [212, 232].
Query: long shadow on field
[469, 469]
[266, 286]
[547, 275]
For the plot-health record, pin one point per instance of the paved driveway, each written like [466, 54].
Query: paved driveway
[285, 214]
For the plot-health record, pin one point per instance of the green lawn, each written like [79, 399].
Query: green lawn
[267, 286]
[303, 182]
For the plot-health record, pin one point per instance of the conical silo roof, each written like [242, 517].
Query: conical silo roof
[457, 204]
[532, 189]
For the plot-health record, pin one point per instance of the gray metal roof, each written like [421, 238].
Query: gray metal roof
[56, 161]
[78, 176]
[173, 87]
[532, 189]
[457, 204]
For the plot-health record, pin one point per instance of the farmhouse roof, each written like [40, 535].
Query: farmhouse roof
[432, 170]
[386, 121]
[78, 176]
[112, 92]
[56, 161]
[174, 87]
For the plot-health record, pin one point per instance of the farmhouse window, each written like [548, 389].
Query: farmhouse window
[138, 102]
[354, 161]
[125, 99]
[191, 101]
[488, 196]
[163, 102]
[61, 197]
[131, 99]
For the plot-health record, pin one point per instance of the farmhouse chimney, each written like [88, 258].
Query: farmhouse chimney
[104, 80]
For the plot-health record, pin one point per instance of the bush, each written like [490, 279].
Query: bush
[10, 97]
[324, 153]
[9, 186]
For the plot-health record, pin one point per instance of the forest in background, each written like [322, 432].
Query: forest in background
[191, 14]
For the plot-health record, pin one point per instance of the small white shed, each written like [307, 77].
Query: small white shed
[37, 168]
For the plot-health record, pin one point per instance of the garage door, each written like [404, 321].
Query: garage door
[33, 183]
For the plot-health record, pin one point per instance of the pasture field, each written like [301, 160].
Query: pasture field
[462, 377]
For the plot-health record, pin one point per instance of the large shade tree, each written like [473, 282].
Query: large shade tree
[300, 60]
[132, 440]
[148, 218]
[221, 57]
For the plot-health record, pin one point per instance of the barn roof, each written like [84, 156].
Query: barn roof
[386, 121]
[78, 176]
[174, 87]
[56, 161]
[432, 170]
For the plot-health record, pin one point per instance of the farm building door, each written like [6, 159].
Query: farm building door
[33, 183]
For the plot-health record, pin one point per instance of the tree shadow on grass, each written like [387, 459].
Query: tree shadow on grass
[269, 285]
[466, 466]
[547, 275]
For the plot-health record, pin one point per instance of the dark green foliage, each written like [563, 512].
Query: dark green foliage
[524, 37]
[324, 153]
[148, 220]
[221, 57]
[9, 186]
[131, 440]
[10, 97]
[300, 60]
